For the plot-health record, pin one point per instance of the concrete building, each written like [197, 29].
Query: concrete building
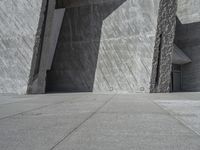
[102, 46]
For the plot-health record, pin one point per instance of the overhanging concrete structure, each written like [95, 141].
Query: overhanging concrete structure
[179, 57]
[114, 46]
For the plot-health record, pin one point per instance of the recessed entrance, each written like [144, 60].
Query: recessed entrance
[176, 78]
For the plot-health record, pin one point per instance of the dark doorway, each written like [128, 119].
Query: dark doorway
[176, 78]
[75, 59]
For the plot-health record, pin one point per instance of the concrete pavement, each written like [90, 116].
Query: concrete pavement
[85, 121]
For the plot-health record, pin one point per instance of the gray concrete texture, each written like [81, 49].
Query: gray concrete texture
[105, 46]
[19, 22]
[164, 47]
[108, 49]
[100, 122]
[188, 11]
[115, 46]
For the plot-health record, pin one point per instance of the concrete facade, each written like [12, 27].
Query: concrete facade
[104, 47]
[114, 46]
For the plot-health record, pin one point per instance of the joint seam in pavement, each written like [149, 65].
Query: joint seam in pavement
[182, 122]
[21, 113]
[18, 101]
[84, 121]
[41, 107]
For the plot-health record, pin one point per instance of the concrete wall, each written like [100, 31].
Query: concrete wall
[105, 46]
[18, 27]
[188, 39]
[188, 11]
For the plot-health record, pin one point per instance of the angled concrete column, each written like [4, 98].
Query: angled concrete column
[51, 31]
[164, 45]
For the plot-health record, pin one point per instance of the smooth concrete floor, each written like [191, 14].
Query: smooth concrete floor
[85, 121]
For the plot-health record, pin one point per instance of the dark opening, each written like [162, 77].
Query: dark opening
[159, 58]
[176, 78]
[187, 39]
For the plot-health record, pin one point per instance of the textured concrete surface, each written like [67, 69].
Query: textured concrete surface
[188, 11]
[164, 46]
[105, 46]
[187, 111]
[19, 22]
[100, 122]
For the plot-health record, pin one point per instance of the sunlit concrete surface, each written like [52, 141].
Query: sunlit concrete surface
[84, 121]
[188, 11]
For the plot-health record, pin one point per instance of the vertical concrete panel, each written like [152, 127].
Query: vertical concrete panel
[126, 48]
[18, 26]
[164, 45]
[42, 54]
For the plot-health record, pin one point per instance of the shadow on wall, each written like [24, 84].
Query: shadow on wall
[75, 59]
[187, 38]
[187, 35]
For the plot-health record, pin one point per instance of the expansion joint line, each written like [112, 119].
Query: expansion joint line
[172, 114]
[84, 121]
[34, 109]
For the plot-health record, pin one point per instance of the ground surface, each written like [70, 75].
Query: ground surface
[100, 122]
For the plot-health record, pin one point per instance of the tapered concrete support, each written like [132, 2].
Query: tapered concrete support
[163, 51]
[37, 82]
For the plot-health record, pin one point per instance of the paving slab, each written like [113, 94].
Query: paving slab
[86, 121]
[187, 111]
[7, 99]
[30, 103]
[41, 129]
[131, 107]
[127, 131]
